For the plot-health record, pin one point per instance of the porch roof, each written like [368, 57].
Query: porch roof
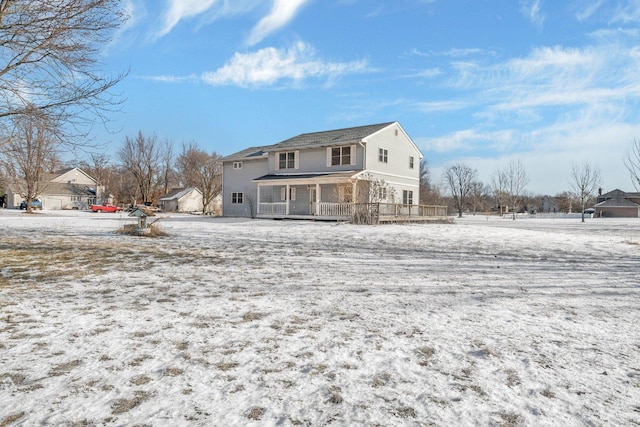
[305, 178]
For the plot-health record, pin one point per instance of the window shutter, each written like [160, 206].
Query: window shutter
[277, 167]
[353, 154]
[296, 159]
[328, 157]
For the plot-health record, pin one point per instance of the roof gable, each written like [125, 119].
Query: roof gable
[71, 175]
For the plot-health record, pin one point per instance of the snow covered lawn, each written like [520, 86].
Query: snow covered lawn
[236, 322]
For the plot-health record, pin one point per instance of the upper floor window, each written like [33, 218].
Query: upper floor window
[340, 156]
[410, 162]
[237, 165]
[287, 160]
[383, 155]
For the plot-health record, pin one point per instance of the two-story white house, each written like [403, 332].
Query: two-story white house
[322, 175]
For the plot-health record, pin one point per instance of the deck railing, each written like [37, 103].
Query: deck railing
[335, 209]
[272, 208]
[364, 213]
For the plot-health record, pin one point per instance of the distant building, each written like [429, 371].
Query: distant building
[65, 189]
[181, 200]
[619, 204]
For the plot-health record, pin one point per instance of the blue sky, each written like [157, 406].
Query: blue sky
[481, 82]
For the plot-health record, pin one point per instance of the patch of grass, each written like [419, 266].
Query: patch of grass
[7, 421]
[335, 395]
[510, 419]
[255, 413]
[152, 230]
[425, 353]
[404, 412]
[140, 380]
[251, 316]
[380, 380]
[64, 368]
[16, 379]
[120, 406]
[226, 366]
[173, 372]
[548, 393]
[512, 378]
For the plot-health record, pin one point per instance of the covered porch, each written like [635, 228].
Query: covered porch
[307, 196]
[332, 197]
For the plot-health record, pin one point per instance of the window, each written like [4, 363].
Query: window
[237, 165]
[410, 162]
[383, 155]
[340, 156]
[407, 197]
[292, 193]
[287, 160]
[382, 193]
[237, 198]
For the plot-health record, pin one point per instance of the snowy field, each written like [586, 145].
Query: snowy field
[483, 322]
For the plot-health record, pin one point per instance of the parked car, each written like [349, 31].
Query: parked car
[589, 211]
[35, 204]
[107, 207]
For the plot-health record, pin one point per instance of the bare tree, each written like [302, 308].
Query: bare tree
[49, 51]
[514, 180]
[167, 174]
[499, 188]
[30, 151]
[99, 167]
[632, 162]
[124, 186]
[585, 179]
[460, 178]
[141, 157]
[478, 194]
[201, 170]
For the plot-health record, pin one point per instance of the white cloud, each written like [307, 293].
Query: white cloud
[182, 9]
[281, 13]
[533, 11]
[589, 9]
[270, 65]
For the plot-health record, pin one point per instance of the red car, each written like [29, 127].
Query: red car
[107, 207]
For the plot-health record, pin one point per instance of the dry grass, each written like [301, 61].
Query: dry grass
[120, 406]
[255, 413]
[153, 230]
[7, 421]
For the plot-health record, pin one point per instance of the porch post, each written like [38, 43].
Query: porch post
[286, 199]
[258, 201]
[354, 196]
[317, 198]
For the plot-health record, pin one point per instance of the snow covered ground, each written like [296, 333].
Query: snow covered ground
[482, 322]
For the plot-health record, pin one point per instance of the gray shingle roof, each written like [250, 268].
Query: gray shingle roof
[617, 202]
[177, 193]
[338, 136]
[315, 139]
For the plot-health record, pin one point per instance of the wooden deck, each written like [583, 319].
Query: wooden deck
[364, 213]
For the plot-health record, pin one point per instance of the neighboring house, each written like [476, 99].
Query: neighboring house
[181, 200]
[66, 189]
[321, 175]
[618, 203]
